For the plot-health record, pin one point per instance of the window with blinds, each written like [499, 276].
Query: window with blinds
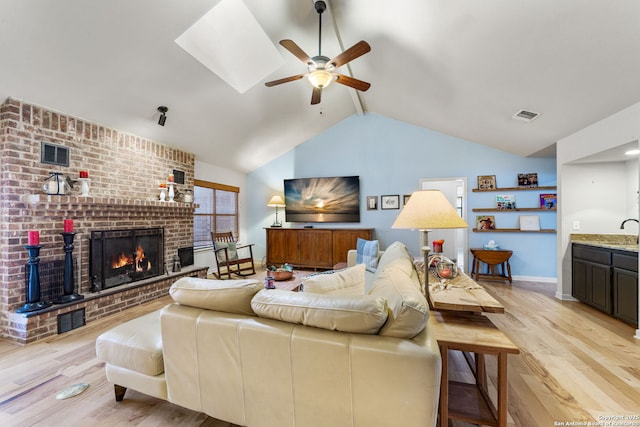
[217, 211]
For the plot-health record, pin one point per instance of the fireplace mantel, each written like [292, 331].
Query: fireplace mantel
[66, 203]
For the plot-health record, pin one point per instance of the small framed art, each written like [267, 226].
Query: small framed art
[405, 199]
[505, 201]
[486, 182]
[390, 202]
[372, 203]
[548, 200]
[485, 222]
[529, 223]
[527, 180]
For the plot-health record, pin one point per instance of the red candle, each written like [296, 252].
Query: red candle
[68, 226]
[33, 237]
[84, 174]
[445, 273]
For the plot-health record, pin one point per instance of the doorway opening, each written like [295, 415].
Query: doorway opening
[455, 245]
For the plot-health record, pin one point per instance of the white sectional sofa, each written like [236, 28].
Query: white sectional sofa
[269, 358]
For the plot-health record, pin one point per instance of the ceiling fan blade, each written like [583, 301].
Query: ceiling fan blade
[284, 80]
[350, 54]
[292, 47]
[315, 96]
[351, 82]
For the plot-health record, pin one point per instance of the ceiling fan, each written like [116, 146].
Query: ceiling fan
[321, 69]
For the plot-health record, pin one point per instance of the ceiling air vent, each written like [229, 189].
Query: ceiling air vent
[526, 116]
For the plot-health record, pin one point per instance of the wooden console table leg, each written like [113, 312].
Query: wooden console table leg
[502, 390]
[481, 373]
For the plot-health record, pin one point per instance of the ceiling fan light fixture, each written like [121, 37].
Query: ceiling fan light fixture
[320, 78]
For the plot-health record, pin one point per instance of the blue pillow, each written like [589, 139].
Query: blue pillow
[367, 254]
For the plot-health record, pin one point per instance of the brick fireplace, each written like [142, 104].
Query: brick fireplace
[114, 160]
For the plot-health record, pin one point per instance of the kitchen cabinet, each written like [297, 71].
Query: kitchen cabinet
[606, 279]
[317, 248]
[625, 287]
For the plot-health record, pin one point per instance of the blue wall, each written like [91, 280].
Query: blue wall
[391, 157]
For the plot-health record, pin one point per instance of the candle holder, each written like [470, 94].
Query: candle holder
[84, 186]
[67, 278]
[171, 191]
[33, 289]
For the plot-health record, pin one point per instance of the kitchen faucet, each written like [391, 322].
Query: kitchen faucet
[630, 219]
[626, 220]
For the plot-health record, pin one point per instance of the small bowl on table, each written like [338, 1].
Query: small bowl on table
[280, 275]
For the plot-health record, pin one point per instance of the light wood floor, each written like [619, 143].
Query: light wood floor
[575, 365]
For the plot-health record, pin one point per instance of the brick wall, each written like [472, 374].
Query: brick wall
[125, 171]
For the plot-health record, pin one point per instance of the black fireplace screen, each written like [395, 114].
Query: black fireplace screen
[123, 256]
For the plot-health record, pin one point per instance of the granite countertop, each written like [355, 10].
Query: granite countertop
[623, 242]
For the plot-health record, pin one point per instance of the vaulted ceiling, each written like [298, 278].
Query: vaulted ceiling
[460, 67]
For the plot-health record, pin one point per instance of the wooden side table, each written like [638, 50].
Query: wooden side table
[471, 333]
[492, 258]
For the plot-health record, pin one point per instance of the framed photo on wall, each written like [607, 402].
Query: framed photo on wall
[372, 203]
[486, 182]
[390, 202]
[405, 199]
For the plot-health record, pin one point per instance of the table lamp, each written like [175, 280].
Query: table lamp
[276, 201]
[428, 209]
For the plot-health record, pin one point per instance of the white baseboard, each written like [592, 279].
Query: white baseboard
[535, 279]
[565, 297]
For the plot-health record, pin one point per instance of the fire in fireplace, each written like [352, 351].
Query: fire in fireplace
[123, 256]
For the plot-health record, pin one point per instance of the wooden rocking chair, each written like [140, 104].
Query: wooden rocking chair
[226, 254]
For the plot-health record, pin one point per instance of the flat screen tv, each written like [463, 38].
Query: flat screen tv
[335, 199]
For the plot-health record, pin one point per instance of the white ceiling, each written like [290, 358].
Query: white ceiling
[461, 67]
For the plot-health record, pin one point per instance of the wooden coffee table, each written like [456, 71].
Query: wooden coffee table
[292, 284]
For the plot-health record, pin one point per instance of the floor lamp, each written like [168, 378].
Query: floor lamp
[276, 201]
[425, 210]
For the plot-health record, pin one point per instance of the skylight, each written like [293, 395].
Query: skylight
[229, 41]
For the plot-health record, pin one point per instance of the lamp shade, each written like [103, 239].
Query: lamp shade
[320, 78]
[276, 201]
[428, 209]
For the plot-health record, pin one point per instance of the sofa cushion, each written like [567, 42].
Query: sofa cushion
[396, 250]
[229, 296]
[346, 313]
[367, 253]
[135, 345]
[408, 308]
[348, 281]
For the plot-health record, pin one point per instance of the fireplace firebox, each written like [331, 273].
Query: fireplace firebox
[118, 257]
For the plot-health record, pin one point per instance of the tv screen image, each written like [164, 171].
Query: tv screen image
[334, 199]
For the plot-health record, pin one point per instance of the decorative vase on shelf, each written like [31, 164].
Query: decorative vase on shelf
[163, 194]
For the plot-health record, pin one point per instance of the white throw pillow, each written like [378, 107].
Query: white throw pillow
[349, 281]
[362, 314]
[229, 296]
